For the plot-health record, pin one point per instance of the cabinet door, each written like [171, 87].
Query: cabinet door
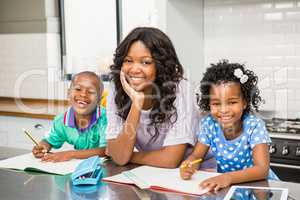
[3, 132]
[13, 127]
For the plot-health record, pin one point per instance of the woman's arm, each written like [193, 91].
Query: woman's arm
[259, 171]
[73, 154]
[168, 157]
[121, 148]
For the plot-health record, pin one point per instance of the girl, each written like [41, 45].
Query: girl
[149, 104]
[238, 139]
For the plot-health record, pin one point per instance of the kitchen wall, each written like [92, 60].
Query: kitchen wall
[91, 37]
[265, 35]
[181, 20]
[30, 52]
[30, 49]
[184, 25]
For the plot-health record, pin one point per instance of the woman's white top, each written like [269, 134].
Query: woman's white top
[183, 131]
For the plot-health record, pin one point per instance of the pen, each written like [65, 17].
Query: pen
[30, 137]
[191, 163]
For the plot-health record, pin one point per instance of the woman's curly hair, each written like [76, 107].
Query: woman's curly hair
[169, 72]
[223, 72]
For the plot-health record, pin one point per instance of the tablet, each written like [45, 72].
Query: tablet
[256, 193]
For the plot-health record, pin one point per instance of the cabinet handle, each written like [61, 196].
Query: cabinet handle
[38, 126]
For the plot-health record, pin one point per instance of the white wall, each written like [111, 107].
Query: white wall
[184, 24]
[265, 35]
[181, 20]
[90, 34]
[143, 13]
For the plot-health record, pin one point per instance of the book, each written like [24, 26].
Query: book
[28, 162]
[168, 180]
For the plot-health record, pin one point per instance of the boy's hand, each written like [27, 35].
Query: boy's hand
[216, 183]
[39, 151]
[57, 157]
[187, 170]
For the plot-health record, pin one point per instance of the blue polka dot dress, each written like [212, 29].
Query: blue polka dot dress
[236, 154]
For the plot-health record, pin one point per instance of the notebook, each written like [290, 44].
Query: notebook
[28, 162]
[169, 180]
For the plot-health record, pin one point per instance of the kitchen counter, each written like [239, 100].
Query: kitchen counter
[32, 108]
[22, 185]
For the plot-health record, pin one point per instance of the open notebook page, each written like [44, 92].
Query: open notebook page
[164, 179]
[169, 179]
[29, 162]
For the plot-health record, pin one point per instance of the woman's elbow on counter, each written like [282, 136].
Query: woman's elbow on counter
[120, 160]
[119, 157]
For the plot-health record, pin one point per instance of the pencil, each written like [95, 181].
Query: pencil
[191, 163]
[30, 137]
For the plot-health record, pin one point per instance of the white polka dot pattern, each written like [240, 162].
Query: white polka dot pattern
[236, 154]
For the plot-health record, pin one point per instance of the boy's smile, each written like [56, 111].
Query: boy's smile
[84, 94]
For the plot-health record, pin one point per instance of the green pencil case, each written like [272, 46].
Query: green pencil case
[88, 172]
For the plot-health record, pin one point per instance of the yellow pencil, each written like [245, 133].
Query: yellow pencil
[191, 163]
[30, 137]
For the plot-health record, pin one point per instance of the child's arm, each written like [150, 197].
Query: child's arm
[40, 150]
[199, 151]
[259, 171]
[73, 154]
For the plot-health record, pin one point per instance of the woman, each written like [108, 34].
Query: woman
[152, 118]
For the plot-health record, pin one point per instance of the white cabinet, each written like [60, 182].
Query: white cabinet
[11, 131]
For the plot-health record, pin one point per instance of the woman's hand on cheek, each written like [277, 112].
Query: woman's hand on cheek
[216, 183]
[137, 98]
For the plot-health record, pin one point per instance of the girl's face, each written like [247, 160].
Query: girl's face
[227, 104]
[139, 67]
[84, 94]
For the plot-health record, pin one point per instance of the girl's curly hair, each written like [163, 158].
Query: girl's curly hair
[223, 72]
[169, 72]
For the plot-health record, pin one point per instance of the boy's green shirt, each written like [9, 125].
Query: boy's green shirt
[93, 137]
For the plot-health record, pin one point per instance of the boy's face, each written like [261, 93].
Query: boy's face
[227, 104]
[84, 94]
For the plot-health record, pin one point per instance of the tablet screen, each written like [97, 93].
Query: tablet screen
[256, 193]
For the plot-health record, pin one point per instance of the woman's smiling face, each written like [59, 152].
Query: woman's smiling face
[139, 67]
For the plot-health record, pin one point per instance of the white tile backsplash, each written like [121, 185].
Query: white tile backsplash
[265, 35]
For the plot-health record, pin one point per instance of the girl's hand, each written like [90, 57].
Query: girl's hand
[187, 170]
[216, 183]
[137, 98]
[57, 157]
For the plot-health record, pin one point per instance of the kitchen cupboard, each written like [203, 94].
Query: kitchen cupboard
[12, 135]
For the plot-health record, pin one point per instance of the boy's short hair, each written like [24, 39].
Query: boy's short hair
[89, 73]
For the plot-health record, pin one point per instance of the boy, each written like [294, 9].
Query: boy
[82, 125]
